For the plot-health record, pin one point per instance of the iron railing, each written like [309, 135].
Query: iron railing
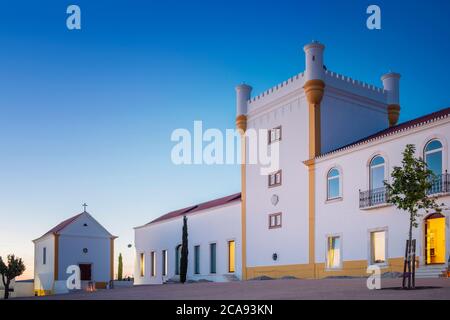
[370, 198]
[440, 184]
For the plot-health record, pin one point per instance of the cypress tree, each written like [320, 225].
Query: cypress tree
[184, 252]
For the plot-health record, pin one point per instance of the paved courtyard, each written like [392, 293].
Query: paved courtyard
[435, 289]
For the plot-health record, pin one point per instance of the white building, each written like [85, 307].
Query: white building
[79, 240]
[324, 212]
[214, 243]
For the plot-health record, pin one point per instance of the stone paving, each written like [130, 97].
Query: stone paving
[348, 289]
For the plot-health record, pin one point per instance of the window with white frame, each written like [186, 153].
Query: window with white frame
[433, 156]
[377, 171]
[333, 252]
[333, 184]
[274, 135]
[275, 179]
[44, 255]
[378, 247]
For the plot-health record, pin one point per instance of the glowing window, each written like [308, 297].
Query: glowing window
[231, 256]
[142, 264]
[378, 247]
[334, 252]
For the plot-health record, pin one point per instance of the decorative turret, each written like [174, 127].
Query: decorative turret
[243, 93]
[391, 83]
[314, 88]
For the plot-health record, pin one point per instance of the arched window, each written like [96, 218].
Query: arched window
[433, 156]
[333, 184]
[177, 259]
[377, 168]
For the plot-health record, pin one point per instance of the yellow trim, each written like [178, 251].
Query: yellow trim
[56, 257]
[112, 259]
[101, 285]
[302, 271]
[393, 114]
[241, 124]
[41, 293]
[312, 216]
[351, 268]
[314, 90]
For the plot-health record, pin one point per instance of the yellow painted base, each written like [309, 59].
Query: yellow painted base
[41, 293]
[101, 285]
[354, 268]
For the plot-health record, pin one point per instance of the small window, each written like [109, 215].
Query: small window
[44, 255]
[153, 263]
[177, 259]
[333, 184]
[142, 264]
[378, 247]
[274, 220]
[334, 252]
[164, 262]
[212, 257]
[274, 135]
[231, 256]
[197, 259]
[275, 179]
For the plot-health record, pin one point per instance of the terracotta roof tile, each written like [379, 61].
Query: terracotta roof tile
[62, 225]
[198, 207]
[391, 130]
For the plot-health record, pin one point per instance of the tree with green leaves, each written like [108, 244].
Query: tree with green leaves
[120, 268]
[10, 270]
[409, 192]
[184, 252]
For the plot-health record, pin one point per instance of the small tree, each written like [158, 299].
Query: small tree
[120, 268]
[184, 252]
[13, 268]
[409, 191]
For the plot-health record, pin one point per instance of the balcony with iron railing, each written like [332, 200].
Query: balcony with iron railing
[378, 197]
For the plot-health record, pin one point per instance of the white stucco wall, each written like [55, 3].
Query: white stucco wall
[344, 100]
[345, 218]
[44, 273]
[216, 225]
[263, 242]
[74, 238]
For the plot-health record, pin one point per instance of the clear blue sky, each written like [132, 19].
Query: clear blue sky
[86, 116]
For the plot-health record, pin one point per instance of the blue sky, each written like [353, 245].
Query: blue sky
[86, 116]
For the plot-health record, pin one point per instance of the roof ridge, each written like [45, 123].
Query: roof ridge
[198, 207]
[436, 115]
